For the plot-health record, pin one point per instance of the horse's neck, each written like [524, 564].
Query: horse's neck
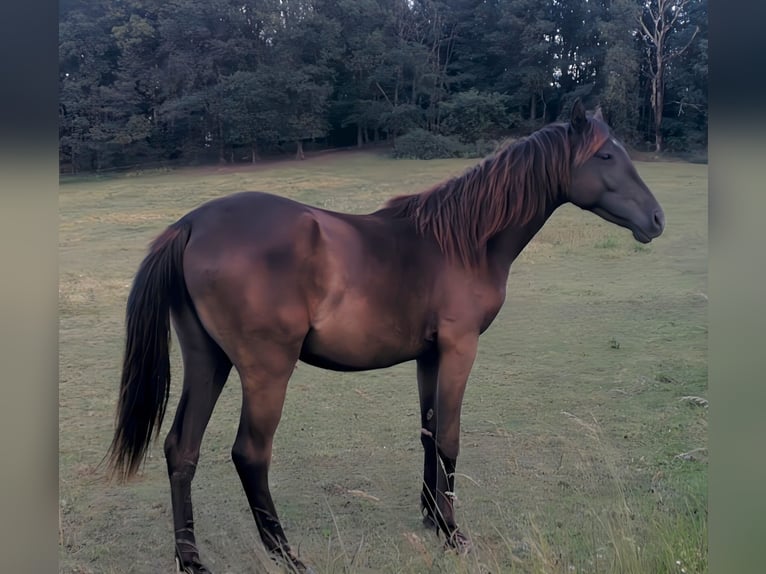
[506, 246]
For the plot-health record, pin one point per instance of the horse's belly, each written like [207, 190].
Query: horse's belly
[344, 348]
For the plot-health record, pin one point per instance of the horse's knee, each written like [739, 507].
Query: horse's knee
[181, 465]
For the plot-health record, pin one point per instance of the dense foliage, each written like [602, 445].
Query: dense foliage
[188, 81]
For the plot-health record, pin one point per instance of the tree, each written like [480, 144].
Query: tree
[685, 122]
[577, 44]
[659, 22]
[200, 80]
[133, 95]
[357, 101]
[439, 32]
[474, 115]
[528, 79]
[250, 117]
[621, 67]
[87, 62]
[306, 49]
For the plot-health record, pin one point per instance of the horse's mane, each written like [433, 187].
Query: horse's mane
[511, 187]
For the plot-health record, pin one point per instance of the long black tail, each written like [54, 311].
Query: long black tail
[145, 385]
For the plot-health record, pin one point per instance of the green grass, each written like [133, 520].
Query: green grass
[608, 242]
[571, 426]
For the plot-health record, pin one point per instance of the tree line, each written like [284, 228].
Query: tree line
[191, 81]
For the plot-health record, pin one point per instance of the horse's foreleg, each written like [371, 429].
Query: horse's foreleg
[428, 370]
[263, 394]
[455, 361]
[206, 369]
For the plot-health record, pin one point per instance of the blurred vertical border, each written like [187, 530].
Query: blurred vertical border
[28, 286]
[737, 286]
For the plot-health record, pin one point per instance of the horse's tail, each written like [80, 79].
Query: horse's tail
[145, 385]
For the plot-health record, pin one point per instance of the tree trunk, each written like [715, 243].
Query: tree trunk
[359, 135]
[533, 107]
[221, 146]
[396, 88]
[74, 158]
[299, 152]
[254, 152]
[658, 84]
[663, 16]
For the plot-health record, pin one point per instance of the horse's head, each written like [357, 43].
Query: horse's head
[605, 181]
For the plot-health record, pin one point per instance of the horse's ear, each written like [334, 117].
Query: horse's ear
[577, 117]
[598, 115]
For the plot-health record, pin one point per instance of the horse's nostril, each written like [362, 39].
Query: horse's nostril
[659, 219]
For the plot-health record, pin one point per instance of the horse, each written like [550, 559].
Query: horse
[260, 282]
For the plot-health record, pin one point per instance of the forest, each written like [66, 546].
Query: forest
[185, 82]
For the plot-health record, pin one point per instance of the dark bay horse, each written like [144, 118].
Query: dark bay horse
[259, 282]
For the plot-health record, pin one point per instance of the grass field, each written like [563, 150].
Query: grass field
[583, 433]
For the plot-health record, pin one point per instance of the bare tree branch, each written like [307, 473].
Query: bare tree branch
[385, 95]
[677, 53]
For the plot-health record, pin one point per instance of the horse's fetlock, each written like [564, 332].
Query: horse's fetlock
[239, 457]
[183, 472]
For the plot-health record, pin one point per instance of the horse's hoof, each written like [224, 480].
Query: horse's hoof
[193, 567]
[459, 542]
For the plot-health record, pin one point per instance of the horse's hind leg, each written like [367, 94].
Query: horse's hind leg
[206, 369]
[264, 385]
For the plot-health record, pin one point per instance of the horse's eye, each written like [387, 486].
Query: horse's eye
[604, 155]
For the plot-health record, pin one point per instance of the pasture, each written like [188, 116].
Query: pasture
[584, 432]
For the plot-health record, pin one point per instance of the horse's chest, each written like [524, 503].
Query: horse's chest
[470, 310]
[489, 306]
